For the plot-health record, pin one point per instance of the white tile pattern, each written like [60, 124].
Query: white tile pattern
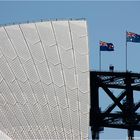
[44, 80]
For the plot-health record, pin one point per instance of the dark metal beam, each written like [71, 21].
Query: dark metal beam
[94, 110]
[122, 126]
[110, 94]
[137, 88]
[112, 106]
[119, 74]
[137, 106]
[129, 110]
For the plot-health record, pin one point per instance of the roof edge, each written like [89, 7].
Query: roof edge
[42, 20]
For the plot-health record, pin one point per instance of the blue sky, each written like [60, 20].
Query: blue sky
[107, 21]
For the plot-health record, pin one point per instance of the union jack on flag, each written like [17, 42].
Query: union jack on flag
[104, 46]
[132, 37]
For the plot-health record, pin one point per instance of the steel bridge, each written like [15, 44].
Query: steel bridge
[128, 118]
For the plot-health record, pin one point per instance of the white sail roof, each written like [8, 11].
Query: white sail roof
[3, 136]
[44, 80]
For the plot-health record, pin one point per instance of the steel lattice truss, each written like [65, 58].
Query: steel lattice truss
[128, 117]
[44, 80]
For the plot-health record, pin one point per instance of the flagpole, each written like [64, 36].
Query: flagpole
[99, 59]
[126, 50]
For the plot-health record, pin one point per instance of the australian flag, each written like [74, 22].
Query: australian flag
[132, 37]
[104, 46]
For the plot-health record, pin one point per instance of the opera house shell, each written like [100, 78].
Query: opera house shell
[44, 80]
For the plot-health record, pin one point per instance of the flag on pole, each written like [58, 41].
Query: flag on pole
[104, 46]
[132, 37]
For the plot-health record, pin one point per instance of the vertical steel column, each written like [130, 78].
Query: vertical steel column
[129, 106]
[94, 110]
[95, 133]
[130, 134]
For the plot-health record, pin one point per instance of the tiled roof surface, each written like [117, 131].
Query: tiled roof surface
[44, 80]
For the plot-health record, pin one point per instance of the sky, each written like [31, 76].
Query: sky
[107, 21]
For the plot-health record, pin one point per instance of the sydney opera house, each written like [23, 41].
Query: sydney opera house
[44, 80]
